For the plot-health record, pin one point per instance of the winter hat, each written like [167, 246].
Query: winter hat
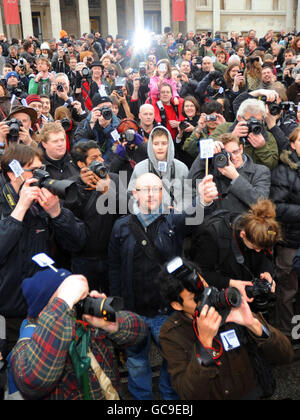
[12, 74]
[98, 100]
[33, 98]
[38, 289]
[63, 34]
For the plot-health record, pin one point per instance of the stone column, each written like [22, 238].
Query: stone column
[55, 18]
[191, 15]
[165, 14]
[26, 18]
[84, 16]
[216, 16]
[139, 14]
[112, 17]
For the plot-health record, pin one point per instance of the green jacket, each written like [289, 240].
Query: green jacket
[191, 145]
[267, 155]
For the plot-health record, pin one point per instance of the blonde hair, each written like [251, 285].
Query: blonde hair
[53, 127]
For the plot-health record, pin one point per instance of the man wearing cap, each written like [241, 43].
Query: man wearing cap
[43, 365]
[14, 86]
[26, 116]
[101, 125]
[35, 102]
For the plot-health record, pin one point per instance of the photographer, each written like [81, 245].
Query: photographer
[240, 182]
[285, 192]
[230, 247]
[30, 217]
[210, 118]
[211, 88]
[139, 242]
[41, 83]
[14, 86]
[5, 102]
[18, 127]
[130, 151]
[60, 60]
[95, 185]
[101, 125]
[213, 369]
[50, 313]
[249, 126]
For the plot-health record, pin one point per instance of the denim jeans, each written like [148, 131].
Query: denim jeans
[139, 368]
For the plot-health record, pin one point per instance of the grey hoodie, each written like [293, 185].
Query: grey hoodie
[175, 167]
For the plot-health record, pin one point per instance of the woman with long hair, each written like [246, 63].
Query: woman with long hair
[253, 72]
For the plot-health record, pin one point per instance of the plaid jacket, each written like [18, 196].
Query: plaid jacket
[42, 367]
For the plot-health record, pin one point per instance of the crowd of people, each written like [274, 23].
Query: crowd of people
[102, 170]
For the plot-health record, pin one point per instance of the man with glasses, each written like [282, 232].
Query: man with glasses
[139, 244]
[30, 218]
[240, 182]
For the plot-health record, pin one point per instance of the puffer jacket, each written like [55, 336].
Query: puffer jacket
[285, 192]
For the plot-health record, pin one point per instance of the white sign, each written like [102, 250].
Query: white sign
[16, 167]
[44, 261]
[207, 148]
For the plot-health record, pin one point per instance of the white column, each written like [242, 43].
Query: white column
[139, 14]
[26, 18]
[216, 16]
[191, 15]
[84, 16]
[289, 22]
[1, 22]
[165, 14]
[298, 18]
[112, 17]
[55, 18]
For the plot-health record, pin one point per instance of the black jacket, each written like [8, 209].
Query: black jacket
[61, 169]
[215, 245]
[20, 241]
[285, 192]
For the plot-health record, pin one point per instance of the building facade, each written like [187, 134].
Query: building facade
[45, 18]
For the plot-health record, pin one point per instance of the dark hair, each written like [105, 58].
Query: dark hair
[211, 107]
[20, 152]
[171, 287]
[194, 101]
[80, 151]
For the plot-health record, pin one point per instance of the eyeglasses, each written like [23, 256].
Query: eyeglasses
[41, 168]
[148, 190]
[236, 152]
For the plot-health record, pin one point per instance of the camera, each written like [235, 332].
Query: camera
[107, 113]
[22, 63]
[60, 87]
[289, 107]
[261, 293]
[211, 118]
[66, 124]
[223, 301]
[274, 108]
[105, 308]
[14, 129]
[254, 126]
[129, 135]
[99, 169]
[65, 190]
[86, 72]
[183, 125]
[221, 160]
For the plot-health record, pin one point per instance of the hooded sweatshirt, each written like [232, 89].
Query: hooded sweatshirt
[176, 171]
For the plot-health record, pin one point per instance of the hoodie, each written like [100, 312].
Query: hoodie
[176, 171]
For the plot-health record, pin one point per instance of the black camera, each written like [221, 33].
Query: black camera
[261, 293]
[221, 160]
[60, 87]
[99, 169]
[107, 113]
[219, 81]
[289, 107]
[66, 124]
[65, 190]
[14, 129]
[254, 126]
[105, 308]
[86, 72]
[223, 301]
[183, 125]
[274, 108]
[129, 135]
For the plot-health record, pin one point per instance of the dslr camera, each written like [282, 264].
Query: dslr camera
[60, 87]
[261, 293]
[99, 169]
[105, 308]
[254, 126]
[183, 125]
[65, 190]
[14, 129]
[221, 160]
[274, 108]
[107, 113]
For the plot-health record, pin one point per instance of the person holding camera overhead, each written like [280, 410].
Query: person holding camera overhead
[240, 182]
[216, 351]
[260, 144]
[30, 215]
[69, 368]
[101, 125]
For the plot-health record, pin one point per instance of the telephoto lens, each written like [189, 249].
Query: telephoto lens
[105, 308]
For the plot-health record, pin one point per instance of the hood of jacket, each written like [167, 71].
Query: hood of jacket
[171, 150]
[290, 158]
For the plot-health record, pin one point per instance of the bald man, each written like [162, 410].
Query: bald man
[140, 243]
[147, 122]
